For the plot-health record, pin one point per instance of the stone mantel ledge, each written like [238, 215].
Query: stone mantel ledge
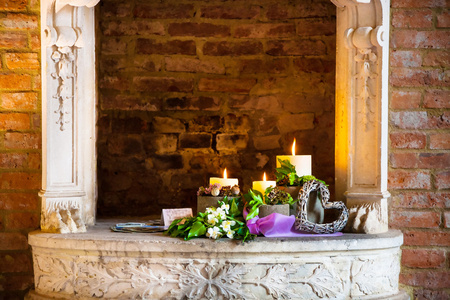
[101, 238]
[105, 264]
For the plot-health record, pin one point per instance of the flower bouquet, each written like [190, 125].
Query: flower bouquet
[226, 220]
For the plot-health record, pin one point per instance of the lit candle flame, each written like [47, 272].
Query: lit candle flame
[293, 148]
[225, 173]
[264, 178]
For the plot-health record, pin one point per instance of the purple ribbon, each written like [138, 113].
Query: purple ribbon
[278, 225]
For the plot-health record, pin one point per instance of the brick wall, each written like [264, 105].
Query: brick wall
[419, 178]
[20, 135]
[189, 88]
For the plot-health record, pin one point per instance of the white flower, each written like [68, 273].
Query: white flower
[226, 225]
[213, 232]
[230, 234]
[225, 207]
[222, 215]
[212, 219]
[210, 210]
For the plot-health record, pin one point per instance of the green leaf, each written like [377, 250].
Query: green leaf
[198, 229]
[234, 209]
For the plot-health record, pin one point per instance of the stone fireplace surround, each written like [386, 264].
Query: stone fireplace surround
[99, 263]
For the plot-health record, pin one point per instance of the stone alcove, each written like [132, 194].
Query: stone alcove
[93, 263]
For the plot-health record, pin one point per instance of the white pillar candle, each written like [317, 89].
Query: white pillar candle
[302, 163]
[224, 181]
[261, 186]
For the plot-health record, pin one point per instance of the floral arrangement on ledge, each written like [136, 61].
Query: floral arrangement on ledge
[224, 221]
[272, 196]
[217, 190]
[287, 175]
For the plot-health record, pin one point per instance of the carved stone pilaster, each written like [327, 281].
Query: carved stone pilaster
[362, 112]
[68, 109]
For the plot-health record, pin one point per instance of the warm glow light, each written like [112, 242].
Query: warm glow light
[264, 178]
[225, 173]
[293, 148]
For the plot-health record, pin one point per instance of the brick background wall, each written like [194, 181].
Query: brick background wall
[419, 133]
[189, 88]
[20, 135]
[419, 177]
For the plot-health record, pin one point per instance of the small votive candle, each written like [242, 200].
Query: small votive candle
[224, 181]
[261, 186]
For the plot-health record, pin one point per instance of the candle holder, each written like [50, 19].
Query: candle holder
[265, 210]
[210, 196]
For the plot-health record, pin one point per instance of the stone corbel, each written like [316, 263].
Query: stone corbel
[361, 112]
[68, 187]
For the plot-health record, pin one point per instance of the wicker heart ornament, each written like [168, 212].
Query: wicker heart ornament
[303, 224]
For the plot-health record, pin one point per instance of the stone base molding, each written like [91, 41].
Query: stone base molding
[104, 264]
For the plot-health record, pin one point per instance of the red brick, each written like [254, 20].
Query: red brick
[34, 161]
[296, 47]
[436, 99]
[13, 181]
[14, 121]
[447, 219]
[418, 219]
[442, 180]
[15, 262]
[296, 122]
[231, 12]
[13, 40]
[316, 65]
[193, 103]
[115, 9]
[22, 220]
[302, 9]
[264, 30]
[148, 46]
[437, 58]
[419, 120]
[440, 141]
[412, 18]
[421, 200]
[22, 61]
[231, 142]
[13, 241]
[19, 101]
[194, 65]
[404, 160]
[13, 5]
[415, 3]
[420, 39]
[132, 28]
[114, 83]
[246, 103]
[434, 160]
[423, 294]
[409, 180]
[17, 140]
[405, 99]
[433, 279]
[15, 82]
[19, 201]
[198, 30]
[225, 48]
[426, 238]
[405, 58]
[113, 46]
[408, 140]
[130, 102]
[423, 258]
[20, 21]
[266, 66]
[316, 26]
[13, 160]
[226, 85]
[164, 11]
[405, 77]
[163, 84]
[16, 282]
[443, 19]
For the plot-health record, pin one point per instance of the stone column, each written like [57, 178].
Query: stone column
[68, 113]
[362, 112]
